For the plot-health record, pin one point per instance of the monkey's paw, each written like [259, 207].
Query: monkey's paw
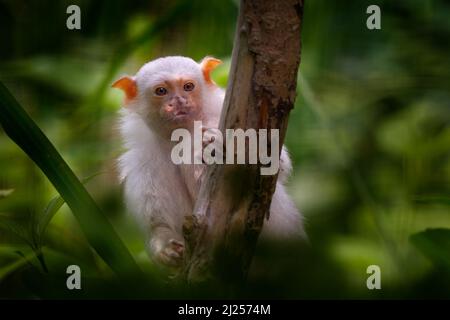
[212, 136]
[172, 254]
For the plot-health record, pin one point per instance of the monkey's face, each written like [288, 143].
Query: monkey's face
[177, 101]
[169, 92]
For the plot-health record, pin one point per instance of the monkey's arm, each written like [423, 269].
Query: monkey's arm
[152, 189]
[159, 204]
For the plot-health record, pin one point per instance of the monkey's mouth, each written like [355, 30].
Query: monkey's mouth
[181, 115]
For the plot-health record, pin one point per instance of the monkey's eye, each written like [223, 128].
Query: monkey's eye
[160, 91]
[189, 86]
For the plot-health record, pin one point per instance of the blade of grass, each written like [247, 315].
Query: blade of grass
[53, 207]
[8, 268]
[96, 227]
[7, 224]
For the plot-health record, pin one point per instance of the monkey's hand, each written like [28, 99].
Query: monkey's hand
[209, 137]
[171, 254]
[166, 248]
[212, 137]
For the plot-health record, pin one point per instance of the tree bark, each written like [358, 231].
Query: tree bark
[221, 234]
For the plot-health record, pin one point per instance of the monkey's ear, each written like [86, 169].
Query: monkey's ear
[128, 85]
[208, 64]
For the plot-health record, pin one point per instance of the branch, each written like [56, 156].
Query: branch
[221, 234]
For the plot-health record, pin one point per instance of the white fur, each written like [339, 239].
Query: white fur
[160, 193]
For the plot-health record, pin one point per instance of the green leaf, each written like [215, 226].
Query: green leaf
[53, 207]
[13, 266]
[434, 244]
[96, 227]
[15, 228]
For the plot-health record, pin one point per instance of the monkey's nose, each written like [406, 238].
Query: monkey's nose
[181, 100]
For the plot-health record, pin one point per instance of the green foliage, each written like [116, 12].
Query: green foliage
[22, 130]
[435, 244]
[369, 138]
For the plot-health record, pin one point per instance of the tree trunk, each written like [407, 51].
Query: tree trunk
[221, 234]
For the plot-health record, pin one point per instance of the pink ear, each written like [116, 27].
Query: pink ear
[208, 64]
[128, 85]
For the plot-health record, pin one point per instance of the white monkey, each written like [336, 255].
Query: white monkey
[166, 94]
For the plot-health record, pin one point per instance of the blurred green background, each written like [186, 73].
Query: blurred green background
[369, 138]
